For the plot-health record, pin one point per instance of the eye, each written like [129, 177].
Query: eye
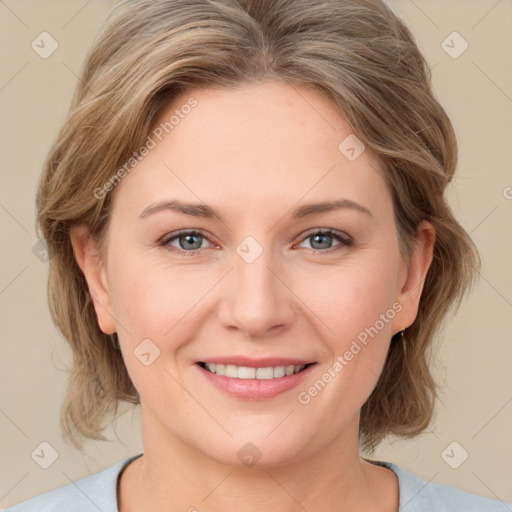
[321, 239]
[189, 242]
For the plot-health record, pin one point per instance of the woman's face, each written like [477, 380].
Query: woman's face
[254, 280]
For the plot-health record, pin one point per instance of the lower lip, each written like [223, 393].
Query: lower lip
[255, 389]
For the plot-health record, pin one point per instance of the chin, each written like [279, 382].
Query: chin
[256, 450]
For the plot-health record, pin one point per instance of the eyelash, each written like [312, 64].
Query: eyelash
[345, 240]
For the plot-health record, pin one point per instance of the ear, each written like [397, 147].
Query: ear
[88, 259]
[413, 275]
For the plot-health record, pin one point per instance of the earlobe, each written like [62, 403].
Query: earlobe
[416, 271]
[90, 262]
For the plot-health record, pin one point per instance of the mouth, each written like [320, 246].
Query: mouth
[253, 372]
[253, 379]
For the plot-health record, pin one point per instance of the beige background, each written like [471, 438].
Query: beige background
[475, 356]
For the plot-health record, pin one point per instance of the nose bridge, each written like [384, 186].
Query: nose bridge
[257, 300]
[254, 278]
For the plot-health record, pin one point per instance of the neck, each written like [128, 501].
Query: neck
[172, 475]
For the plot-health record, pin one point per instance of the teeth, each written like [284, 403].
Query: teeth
[279, 371]
[245, 372]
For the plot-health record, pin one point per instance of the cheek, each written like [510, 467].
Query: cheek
[154, 300]
[356, 313]
[370, 296]
[150, 305]
[350, 297]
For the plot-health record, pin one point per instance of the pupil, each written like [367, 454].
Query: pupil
[188, 237]
[315, 237]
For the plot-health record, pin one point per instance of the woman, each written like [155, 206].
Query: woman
[248, 236]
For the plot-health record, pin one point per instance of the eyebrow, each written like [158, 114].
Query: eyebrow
[208, 212]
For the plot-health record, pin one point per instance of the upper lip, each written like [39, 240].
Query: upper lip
[255, 363]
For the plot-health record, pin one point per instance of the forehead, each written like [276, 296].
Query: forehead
[268, 143]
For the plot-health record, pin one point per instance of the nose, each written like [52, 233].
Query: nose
[258, 299]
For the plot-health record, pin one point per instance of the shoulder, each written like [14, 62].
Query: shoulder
[418, 495]
[89, 494]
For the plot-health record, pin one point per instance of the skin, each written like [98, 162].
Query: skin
[254, 153]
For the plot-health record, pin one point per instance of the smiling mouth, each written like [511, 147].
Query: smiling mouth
[246, 372]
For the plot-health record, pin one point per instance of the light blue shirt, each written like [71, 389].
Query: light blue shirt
[98, 492]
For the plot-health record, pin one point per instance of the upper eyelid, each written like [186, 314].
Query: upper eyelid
[175, 234]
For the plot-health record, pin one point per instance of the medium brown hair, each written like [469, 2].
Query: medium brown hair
[360, 56]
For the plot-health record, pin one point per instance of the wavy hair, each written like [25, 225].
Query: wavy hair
[360, 56]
